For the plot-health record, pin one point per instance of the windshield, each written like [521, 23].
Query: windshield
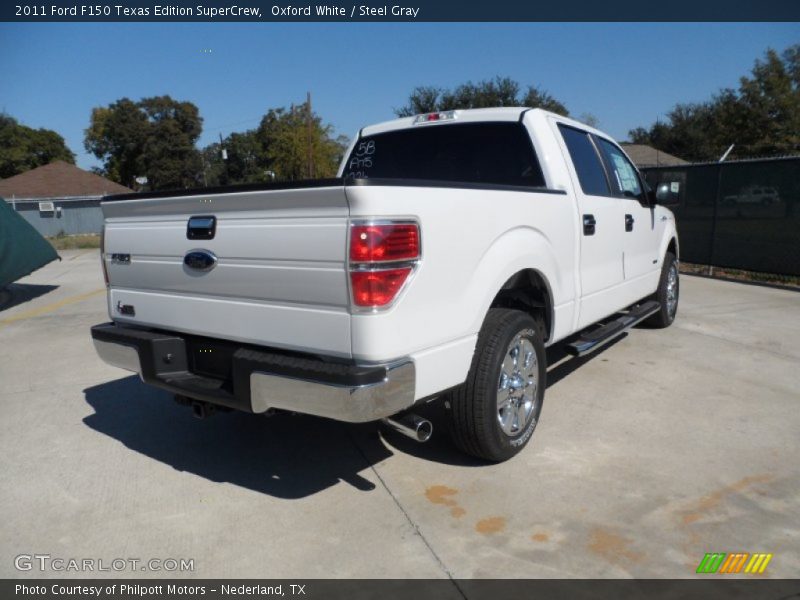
[491, 153]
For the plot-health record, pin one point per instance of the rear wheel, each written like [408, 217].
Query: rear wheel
[667, 294]
[494, 413]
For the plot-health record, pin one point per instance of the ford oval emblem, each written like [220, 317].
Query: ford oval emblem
[200, 260]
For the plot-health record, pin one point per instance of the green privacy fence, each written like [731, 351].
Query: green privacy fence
[740, 215]
[22, 248]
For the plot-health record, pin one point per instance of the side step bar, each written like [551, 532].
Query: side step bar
[591, 341]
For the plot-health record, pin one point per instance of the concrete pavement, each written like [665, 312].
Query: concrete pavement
[666, 445]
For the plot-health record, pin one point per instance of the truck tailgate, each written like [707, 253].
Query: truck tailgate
[280, 273]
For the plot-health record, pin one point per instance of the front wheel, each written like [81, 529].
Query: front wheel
[494, 413]
[667, 294]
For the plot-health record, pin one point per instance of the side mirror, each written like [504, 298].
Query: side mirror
[665, 196]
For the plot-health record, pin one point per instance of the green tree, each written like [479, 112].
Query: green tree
[500, 91]
[286, 137]
[761, 118]
[23, 148]
[771, 101]
[245, 163]
[276, 150]
[116, 135]
[686, 133]
[171, 159]
[590, 119]
[154, 137]
[538, 98]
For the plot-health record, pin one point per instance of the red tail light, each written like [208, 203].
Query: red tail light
[377, 288]
[384, 243]
[379, 261]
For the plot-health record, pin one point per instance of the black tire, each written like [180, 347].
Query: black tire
[475, 418]
[666, 314]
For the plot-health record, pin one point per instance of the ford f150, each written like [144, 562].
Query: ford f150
[450, 251]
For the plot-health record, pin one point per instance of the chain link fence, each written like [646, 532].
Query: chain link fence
[739, 215]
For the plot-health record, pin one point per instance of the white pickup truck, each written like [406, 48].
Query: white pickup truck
[450, 251]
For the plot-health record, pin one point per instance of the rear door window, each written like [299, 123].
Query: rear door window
[591, 174]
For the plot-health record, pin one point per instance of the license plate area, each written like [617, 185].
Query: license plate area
[211, 359]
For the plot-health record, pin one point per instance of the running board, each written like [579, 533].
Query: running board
[593, 340]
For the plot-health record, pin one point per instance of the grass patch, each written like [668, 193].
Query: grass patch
[75, 242]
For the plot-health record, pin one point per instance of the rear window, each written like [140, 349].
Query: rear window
[491, 153]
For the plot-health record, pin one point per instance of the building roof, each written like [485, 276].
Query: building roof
[58, 180]
[647, 156]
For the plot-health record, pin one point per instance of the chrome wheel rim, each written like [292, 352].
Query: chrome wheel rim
[672, 290]
[517, 386]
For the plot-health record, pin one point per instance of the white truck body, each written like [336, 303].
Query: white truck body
[281, 275]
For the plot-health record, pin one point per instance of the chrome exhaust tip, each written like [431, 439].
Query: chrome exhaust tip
[413, 426]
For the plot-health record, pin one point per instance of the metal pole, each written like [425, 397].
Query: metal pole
[308, 137]
[224, 156]
[728, 151]
[658, 155]
[714, 219]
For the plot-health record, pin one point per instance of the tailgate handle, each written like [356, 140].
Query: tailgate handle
[201, 228]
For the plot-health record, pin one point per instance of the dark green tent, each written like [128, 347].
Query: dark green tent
[22, 248]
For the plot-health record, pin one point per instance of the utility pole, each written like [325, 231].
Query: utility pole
[223, 151]
[658, 157]
[224, 156]
[310, 157]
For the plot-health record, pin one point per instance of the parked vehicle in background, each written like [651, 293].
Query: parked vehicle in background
[453, 248]
[764, 196]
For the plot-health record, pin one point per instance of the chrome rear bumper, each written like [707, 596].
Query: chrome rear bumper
[259, 379]
[354, 404]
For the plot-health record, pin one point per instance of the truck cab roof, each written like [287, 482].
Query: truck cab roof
[473, 115]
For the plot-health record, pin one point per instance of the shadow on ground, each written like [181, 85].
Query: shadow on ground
[19, 293]
[284, 456]
[563, 365]
[440, 449]
[287, 456]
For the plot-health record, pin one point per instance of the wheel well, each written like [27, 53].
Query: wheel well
[673, 247]
[527, 290]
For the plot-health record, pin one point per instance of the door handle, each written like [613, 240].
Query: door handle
[629, 222]
[589, 223]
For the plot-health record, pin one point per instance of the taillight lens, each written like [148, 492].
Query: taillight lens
[382, 257]
[384, 243]
[377, 288]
